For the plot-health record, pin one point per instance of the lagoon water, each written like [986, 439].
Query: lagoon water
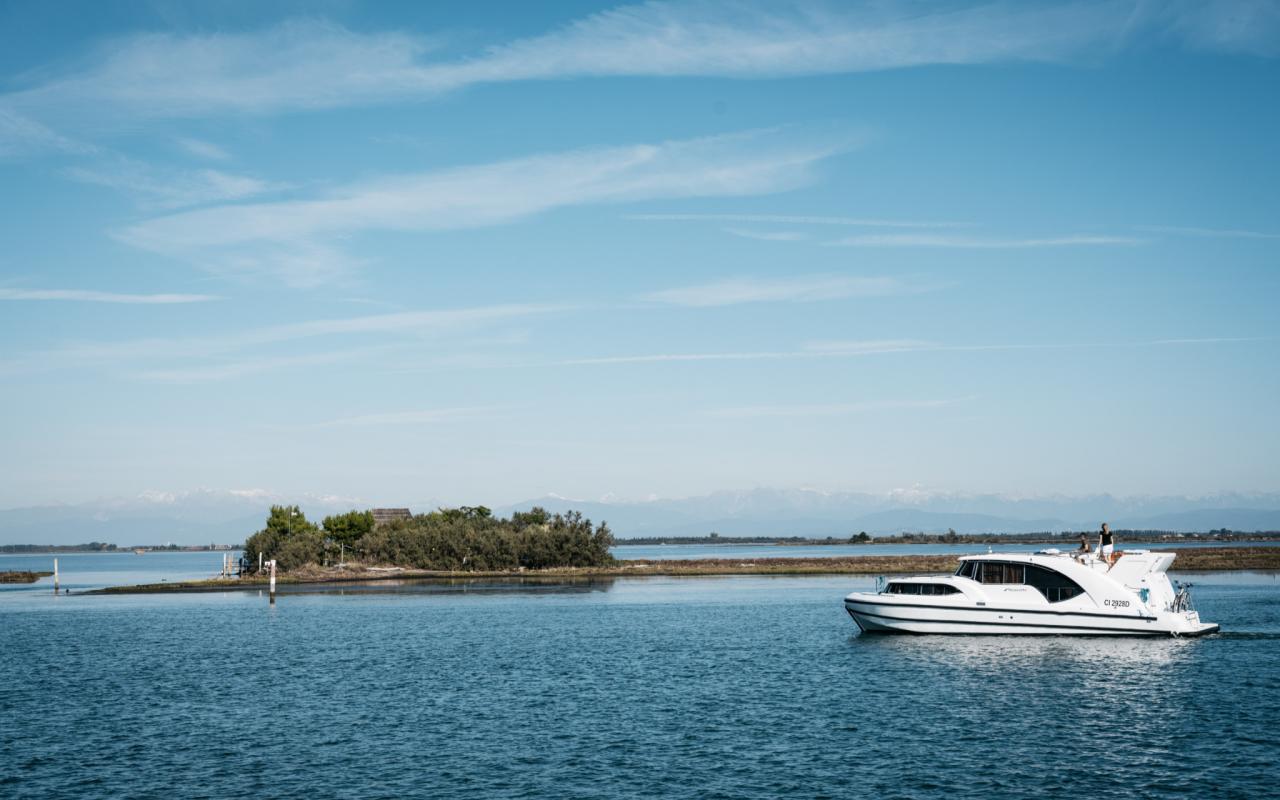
[752, 687]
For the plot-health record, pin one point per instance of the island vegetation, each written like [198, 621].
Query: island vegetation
[466, 539]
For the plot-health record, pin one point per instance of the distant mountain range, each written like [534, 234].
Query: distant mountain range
[222, 516]
[203, 516]
[802, 512]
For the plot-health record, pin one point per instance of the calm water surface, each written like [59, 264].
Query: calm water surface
[728, 687]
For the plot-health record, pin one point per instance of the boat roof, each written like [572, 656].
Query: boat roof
[1052, 553]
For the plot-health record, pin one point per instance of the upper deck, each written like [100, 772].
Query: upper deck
[1129, 568]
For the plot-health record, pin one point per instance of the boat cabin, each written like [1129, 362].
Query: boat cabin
[1055, 586]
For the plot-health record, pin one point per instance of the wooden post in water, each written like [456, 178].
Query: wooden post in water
[55, 576]
[272, 564]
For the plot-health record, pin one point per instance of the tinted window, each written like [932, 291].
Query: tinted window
[1055, 586]
[920, 588]
[966, 569]
[937, 588]
[999, 572]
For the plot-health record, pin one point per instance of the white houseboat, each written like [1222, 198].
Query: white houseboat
[1048, 592]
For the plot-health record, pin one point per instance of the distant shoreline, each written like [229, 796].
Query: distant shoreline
[22, 576]
[1061, 539]
[1201, 559]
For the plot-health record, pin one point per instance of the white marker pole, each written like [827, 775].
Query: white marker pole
[55, 576]
[272, 564]
[259, 561]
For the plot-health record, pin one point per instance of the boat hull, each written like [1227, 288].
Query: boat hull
[873, 616]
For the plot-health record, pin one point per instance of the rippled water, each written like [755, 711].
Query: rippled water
[712, 687]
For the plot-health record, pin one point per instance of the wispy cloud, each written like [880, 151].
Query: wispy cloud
[796, 219]
[800, 289]
[241, 367]
[768, 236]
[981, 243]
[263, 235]
[856, 347]
[414, 323]
[831, 409]
[860, 348]
[203, 149]
[1229, 233]
[160, 187]
[865, 348]
[88, 296]
[428, 416]
[244, 352]
[313, 64]
[22, 136]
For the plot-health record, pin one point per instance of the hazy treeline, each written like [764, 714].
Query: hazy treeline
[716, 538]
[91, 547]
[455, 539]
[1046, 537]
[951, 537]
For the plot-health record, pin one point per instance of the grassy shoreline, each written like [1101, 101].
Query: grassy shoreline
[1200, 559]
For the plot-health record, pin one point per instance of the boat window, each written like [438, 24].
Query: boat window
[920, 588]
[1055, 586]
[966, 569]
[937, 588]
[1000, 572]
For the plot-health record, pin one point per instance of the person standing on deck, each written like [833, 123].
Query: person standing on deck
[1106, 544]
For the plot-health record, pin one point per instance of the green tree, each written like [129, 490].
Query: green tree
[349, 528]
[286, 525]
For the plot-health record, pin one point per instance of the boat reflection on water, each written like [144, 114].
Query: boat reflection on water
[1006, 654]
[448, 586]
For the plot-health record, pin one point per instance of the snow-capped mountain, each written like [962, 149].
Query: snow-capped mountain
[206, 516]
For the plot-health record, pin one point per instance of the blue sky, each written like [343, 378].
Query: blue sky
[487, 253]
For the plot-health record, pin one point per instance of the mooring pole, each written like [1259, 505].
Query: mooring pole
[272, 564]
[55, 576]
[259, 561]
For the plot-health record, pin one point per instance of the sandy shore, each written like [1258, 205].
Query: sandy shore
[1200, 559]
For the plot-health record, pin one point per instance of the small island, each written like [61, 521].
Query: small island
[22, 576]
[467, 539]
